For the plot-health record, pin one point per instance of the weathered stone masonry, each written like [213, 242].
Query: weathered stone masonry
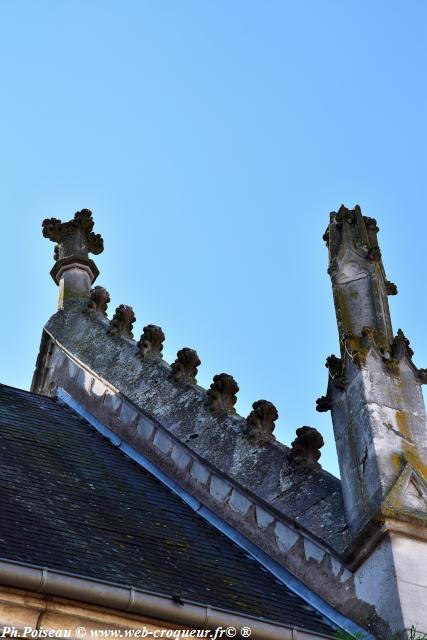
[354, 554]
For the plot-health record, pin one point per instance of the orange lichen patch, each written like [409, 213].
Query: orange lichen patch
[399, 502]
[413, 457]
[396, 462]
[410, 451]
[403, 424]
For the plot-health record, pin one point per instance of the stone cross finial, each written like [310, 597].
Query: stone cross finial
[74, 272]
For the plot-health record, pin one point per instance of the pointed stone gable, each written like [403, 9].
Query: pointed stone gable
[408, 496]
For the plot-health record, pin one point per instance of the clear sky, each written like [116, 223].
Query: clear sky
[211, 140]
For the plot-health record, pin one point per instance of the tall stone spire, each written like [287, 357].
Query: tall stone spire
[74, 272]
[378, 414]
[358, 278]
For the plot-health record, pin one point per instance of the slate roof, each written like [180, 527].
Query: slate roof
[71, 501]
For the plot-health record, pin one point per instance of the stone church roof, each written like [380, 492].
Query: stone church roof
[276, 498]
[71, 501]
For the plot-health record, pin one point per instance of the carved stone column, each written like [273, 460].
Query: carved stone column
[74, 272]
[374, 394]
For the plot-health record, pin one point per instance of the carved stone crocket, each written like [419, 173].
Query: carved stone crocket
[150, 345]
[184, 369]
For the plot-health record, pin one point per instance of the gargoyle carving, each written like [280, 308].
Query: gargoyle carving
[306, 447]
[122, 322]
[74, 237]
[222, 394]
[184, 369]
[150, 345]
[260, 422]
[422, 376]
[99, 299]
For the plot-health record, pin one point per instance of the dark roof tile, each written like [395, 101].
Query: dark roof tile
[73, 502]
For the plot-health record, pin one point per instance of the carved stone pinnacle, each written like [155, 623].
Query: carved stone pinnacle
[150, 345]
[306, 447]
[184, 369]
[260, 422]
[222, 394]
[122, 322]
[99, 299]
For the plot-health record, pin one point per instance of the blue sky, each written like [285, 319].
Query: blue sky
[211, 140]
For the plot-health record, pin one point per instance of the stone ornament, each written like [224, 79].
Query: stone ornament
[260, 422]
[222, 394]
[401, 346]
[98, 302]
[306, 447]
[150, 345]
[391, 288]
[323, 404]
[336, 371]
[374, 254]
[371, 224]
[122, 322]
[73, 238]
[184, 369]
[400, 349]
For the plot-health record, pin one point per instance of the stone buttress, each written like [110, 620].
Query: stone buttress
[375, 397]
